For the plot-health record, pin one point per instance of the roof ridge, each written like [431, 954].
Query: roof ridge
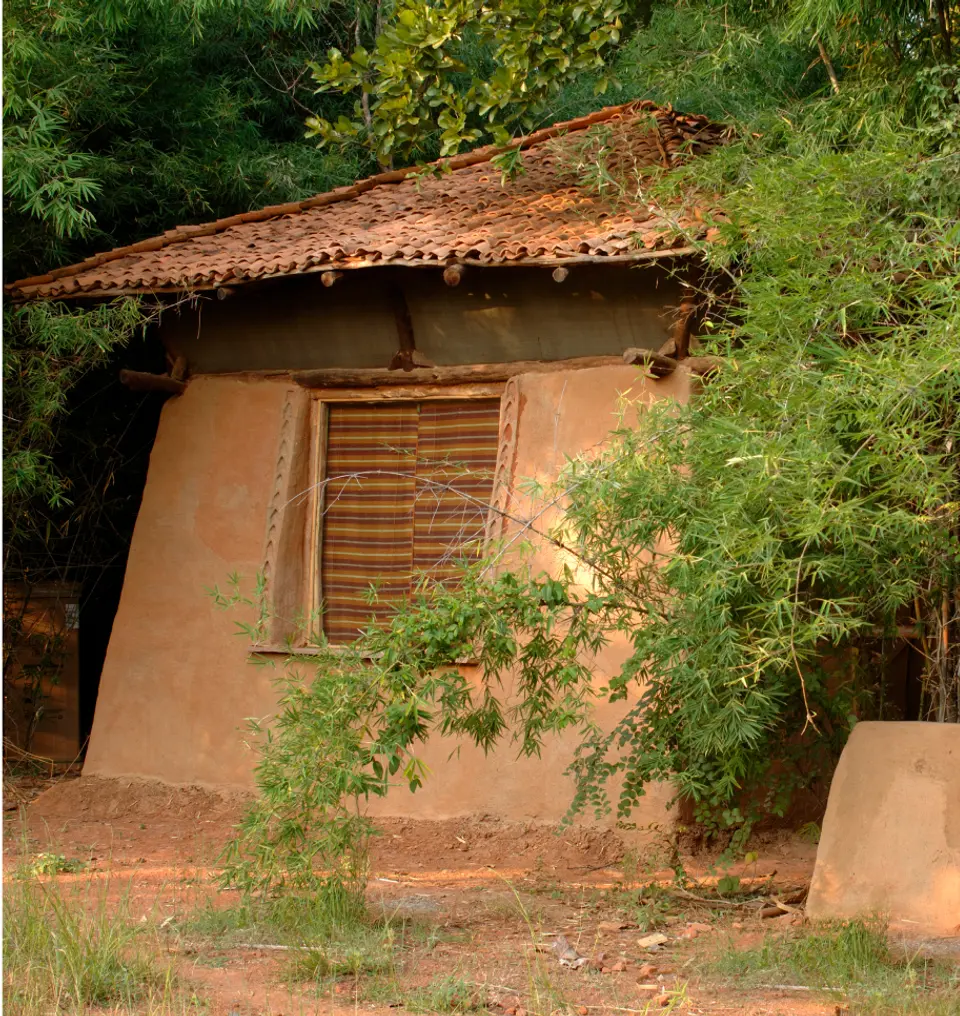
[346, 193]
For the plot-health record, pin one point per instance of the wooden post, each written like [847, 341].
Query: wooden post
[406, 358]
[683, 327]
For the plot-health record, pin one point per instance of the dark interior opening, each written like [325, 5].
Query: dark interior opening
[119, 427]
[79, 548]
[901, 689]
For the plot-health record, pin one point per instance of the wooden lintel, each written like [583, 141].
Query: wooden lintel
[139, 381]
[411, 393]
[339, 377]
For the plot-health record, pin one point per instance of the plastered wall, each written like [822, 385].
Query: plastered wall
[891, 835]
[546, 417]
[177, 684]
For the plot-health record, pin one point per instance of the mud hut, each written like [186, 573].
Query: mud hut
[331, 359]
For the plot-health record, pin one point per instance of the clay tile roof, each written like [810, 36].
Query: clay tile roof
[466, 214]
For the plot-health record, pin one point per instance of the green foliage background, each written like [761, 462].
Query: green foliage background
[122, 118]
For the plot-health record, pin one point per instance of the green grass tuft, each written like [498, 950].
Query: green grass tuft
[69, 954]
[371, 954]
[291, 919]
[52, 864]
[447, 994]
[852, 959]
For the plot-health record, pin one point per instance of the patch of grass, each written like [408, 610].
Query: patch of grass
[290, 919]
[649, 907]
[336, 941]
[68, 954]
[363, 951]
[448, 994]
[52, 864]
[849, 958]
[809, 832]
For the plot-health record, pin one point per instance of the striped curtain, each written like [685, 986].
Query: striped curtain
[406, 494]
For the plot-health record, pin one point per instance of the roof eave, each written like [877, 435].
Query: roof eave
[24, 294]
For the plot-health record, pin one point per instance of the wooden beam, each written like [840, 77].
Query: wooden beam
[330, 278]
[341, 377]
[453, 274]
[139, 381]
[560, 274]
[659, 365]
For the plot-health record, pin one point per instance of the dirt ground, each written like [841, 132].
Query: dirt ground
[493, 896]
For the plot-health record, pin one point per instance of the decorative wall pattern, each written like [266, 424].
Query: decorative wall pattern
[500, 501]
[287, 515]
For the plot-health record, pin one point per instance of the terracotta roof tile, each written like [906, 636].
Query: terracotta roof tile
[404, 216]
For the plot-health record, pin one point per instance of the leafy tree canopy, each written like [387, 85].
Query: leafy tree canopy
[465, 66]
[122, 118]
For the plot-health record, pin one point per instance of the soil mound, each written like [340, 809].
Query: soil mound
[95, 799]
[143, 818]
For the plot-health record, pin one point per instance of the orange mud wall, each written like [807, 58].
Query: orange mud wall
[178, 684]
[544, 419]
[891, 835]
[232, 452]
